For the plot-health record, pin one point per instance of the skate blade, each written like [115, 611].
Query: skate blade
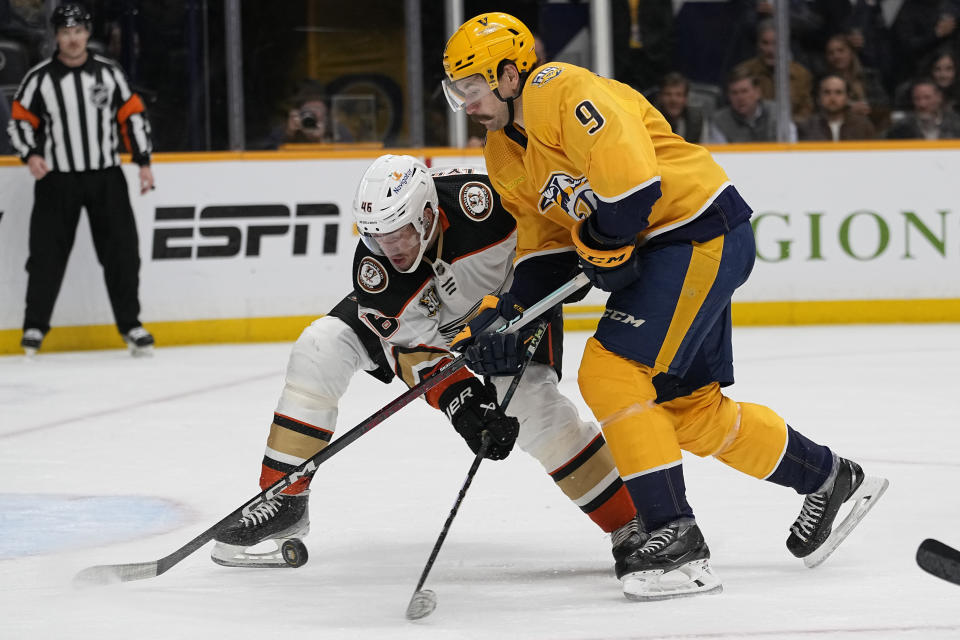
[863, 499]
[141, 352]
[690, 579]
[228, 555]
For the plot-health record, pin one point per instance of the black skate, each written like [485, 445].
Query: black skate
[281, 520]
[139, 341]
[812, 536]
[626, 541]
[31, 341]
[674, 562]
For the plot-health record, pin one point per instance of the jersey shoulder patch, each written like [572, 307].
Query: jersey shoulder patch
[372, 275]
[477, 219]
[379, 286]
[545, 75]
[476, 200]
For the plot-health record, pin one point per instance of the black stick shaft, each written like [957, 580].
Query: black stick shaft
[481, 452]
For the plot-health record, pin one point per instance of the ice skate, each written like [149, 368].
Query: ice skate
[280, 521]
[812, 535]
[31, 341]
[674, 562]
[139, 341]
[624, 542]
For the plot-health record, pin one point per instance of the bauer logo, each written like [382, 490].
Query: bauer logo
[248, 230]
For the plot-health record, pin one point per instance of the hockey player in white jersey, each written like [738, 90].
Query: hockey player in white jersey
[432, 248]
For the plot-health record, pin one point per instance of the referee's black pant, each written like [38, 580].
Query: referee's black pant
[58, 198]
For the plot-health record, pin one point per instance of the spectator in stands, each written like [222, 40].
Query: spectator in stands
[943, 70]
[748, 118]
[867, 96]
[761, 67]
[672, 100]
[308, 121]
[920, 28]
[941, 67]
[835, 119]
[928, 119]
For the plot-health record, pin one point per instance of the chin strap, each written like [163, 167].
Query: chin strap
[509, 101]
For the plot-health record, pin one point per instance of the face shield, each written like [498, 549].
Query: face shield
[403, 247]
[465, 91]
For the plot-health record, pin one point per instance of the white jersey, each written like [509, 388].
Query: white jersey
[417, 314]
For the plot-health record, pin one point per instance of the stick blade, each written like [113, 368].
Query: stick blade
[104, 574]
[421, 604]
[940, 560]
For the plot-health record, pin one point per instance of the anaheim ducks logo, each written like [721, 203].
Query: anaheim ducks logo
[545, 75]
[476, 200]
[573, 195]
[371, 276]
[430, 301]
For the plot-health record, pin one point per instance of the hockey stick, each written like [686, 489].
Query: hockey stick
[424, 601]
[940, 560]
[110, 573]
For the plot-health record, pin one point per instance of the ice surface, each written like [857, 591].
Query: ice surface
[186, 429]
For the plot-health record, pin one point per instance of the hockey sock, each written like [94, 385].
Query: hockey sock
[805, 466]
[289, 444]
[660, 496]
[591, 480]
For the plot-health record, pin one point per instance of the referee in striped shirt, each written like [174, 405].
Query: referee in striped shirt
[68, 118]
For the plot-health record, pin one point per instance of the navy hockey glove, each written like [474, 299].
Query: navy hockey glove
[472, 409]
[496, 354]
[611, 264]
[492, 308]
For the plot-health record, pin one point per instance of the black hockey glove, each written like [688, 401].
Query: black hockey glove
[611, 264]
[472, 409]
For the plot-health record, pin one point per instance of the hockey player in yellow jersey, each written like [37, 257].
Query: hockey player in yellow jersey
[593, 175]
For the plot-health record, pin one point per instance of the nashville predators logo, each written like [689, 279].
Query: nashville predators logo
[545, 75]
[476, 200]
[430, 301]
[573, 195]
[371, 276]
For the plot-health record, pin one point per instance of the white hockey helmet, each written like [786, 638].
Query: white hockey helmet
[393, 193]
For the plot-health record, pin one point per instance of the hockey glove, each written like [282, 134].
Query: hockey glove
[611, 264]
[492, 309]
[472, 409]
[496, 354]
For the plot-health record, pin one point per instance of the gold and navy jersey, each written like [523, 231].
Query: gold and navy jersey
[596, 144]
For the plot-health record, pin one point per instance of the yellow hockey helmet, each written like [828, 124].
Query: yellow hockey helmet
[483, 42]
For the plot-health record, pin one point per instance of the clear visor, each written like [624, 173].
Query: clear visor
[401, 247]
[465, 91]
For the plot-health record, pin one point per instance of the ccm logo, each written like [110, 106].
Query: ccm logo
[238, 228]
[620, 316]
